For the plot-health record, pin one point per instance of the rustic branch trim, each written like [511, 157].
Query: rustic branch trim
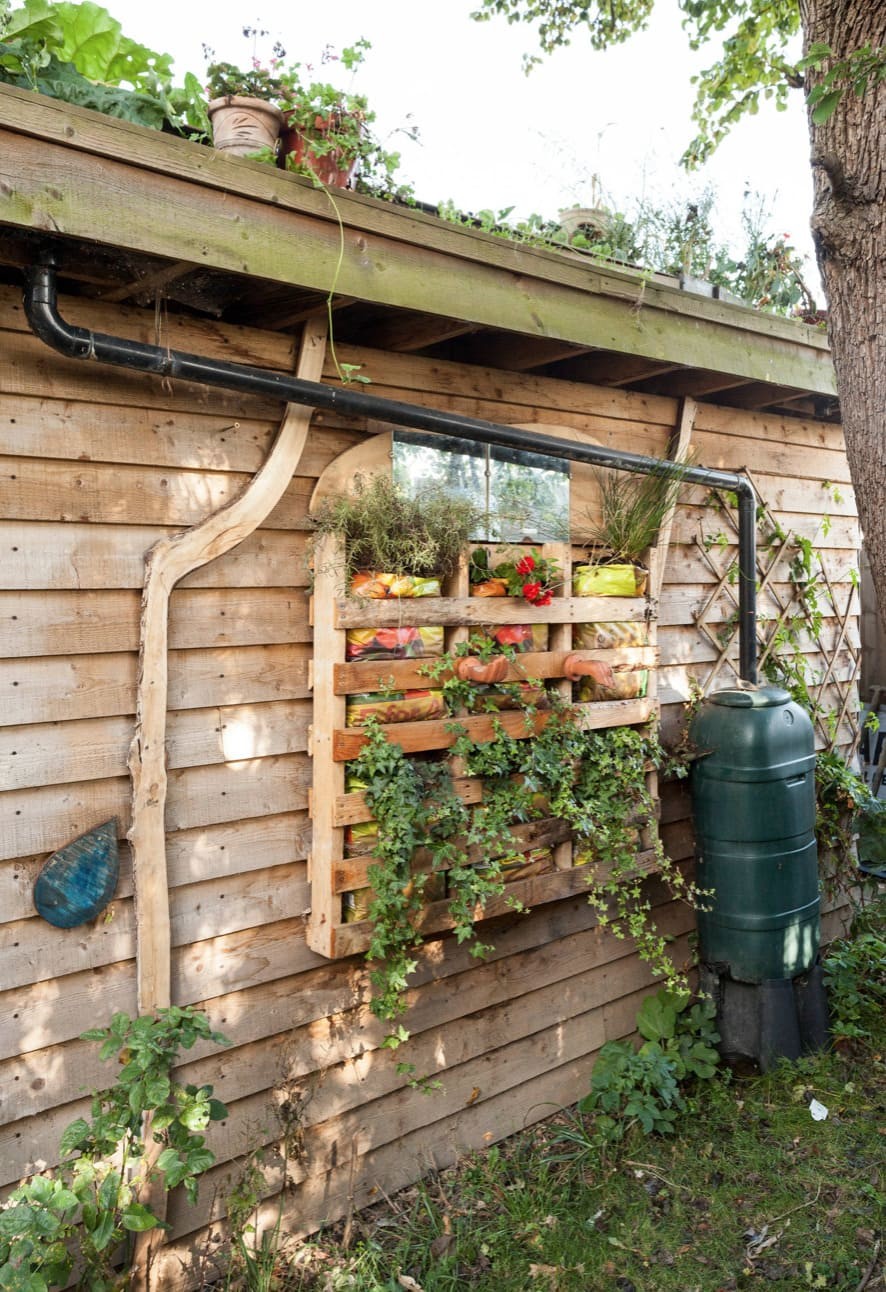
[166, 563]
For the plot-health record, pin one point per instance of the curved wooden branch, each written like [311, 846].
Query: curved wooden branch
[167, 562]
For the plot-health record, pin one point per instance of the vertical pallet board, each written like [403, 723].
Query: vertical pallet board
[334, 744]
[328, 779]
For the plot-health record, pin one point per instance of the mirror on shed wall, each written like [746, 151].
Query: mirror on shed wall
[524, 496]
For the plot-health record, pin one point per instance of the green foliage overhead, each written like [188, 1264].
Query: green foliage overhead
[78, 53]
[753, 64]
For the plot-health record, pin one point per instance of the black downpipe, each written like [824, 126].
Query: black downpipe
[41, 308]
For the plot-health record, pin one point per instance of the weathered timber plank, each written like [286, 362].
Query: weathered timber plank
[231, 341]
[96, 748]
[37, 1015]
[774, 427]
[31, 369]
[784, 494]
[34, 555]
[38, 489]
[804, 461]
[402, 1117]
[182, 1262]
[68, 623]
[843, 532]
[88, 686]
[679, 605]
[68, 191]
[356, 678]
[240, 960]
[33, 951]
[549, 989]
[207, 852]
[69, 430]
[681, 645]
[364, 1103]
[46, 818]
[230, 791]
[352, 612]
[688, 565]
[436, 734]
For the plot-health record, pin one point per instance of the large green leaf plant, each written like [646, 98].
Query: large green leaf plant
[79, 54]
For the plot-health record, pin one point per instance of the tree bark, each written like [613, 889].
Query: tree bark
[849, 228]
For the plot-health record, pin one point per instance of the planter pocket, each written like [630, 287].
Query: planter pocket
[394, 643]
[401, 706]
[630, 684]
[607, 636]
[609, 581]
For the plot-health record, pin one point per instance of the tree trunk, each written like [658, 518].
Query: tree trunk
[849, 227]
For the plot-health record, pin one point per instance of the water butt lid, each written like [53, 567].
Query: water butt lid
[760, 697]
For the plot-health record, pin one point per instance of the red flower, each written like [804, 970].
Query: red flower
[544, 600]
[525, 565]
[531, 591]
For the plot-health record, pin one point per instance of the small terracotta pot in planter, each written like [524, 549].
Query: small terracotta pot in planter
[241, 125]
[333, 168]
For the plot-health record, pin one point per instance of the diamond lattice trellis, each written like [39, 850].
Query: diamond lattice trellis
[813, 600]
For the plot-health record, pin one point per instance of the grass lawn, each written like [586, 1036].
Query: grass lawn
[750, 1192]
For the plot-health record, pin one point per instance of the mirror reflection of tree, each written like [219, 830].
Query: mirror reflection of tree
[524, 496]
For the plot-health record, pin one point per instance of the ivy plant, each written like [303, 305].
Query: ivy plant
[595, 781]
[92, 1202]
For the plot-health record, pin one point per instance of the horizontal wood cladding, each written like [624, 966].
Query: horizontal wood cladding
[105, 464]
[185, 204]
[441, 1008]
[87, 686]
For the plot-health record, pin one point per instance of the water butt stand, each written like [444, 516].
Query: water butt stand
[753, 799]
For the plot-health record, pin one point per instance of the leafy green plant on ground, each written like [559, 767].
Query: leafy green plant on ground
[645, 1087]
[92, 1202]
[855, 976]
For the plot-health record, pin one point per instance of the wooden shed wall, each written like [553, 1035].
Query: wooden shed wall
[97, 464]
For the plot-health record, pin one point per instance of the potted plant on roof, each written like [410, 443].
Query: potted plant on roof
[244, 117]
[327, 134]
[324, 127]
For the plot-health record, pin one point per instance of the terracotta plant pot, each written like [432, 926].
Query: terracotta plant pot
[334, 168]
[242, 125]
[491, 588]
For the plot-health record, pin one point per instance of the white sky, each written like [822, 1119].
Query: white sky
[492, 137]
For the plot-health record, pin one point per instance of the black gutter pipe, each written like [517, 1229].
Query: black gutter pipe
[41, 308]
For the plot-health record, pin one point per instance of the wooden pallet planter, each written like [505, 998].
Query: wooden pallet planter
[334, 744]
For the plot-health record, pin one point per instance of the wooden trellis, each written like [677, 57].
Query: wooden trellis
[775, 608]
[333, 743]
[333, 874]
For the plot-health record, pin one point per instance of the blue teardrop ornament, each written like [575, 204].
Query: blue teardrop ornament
[79, 880]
